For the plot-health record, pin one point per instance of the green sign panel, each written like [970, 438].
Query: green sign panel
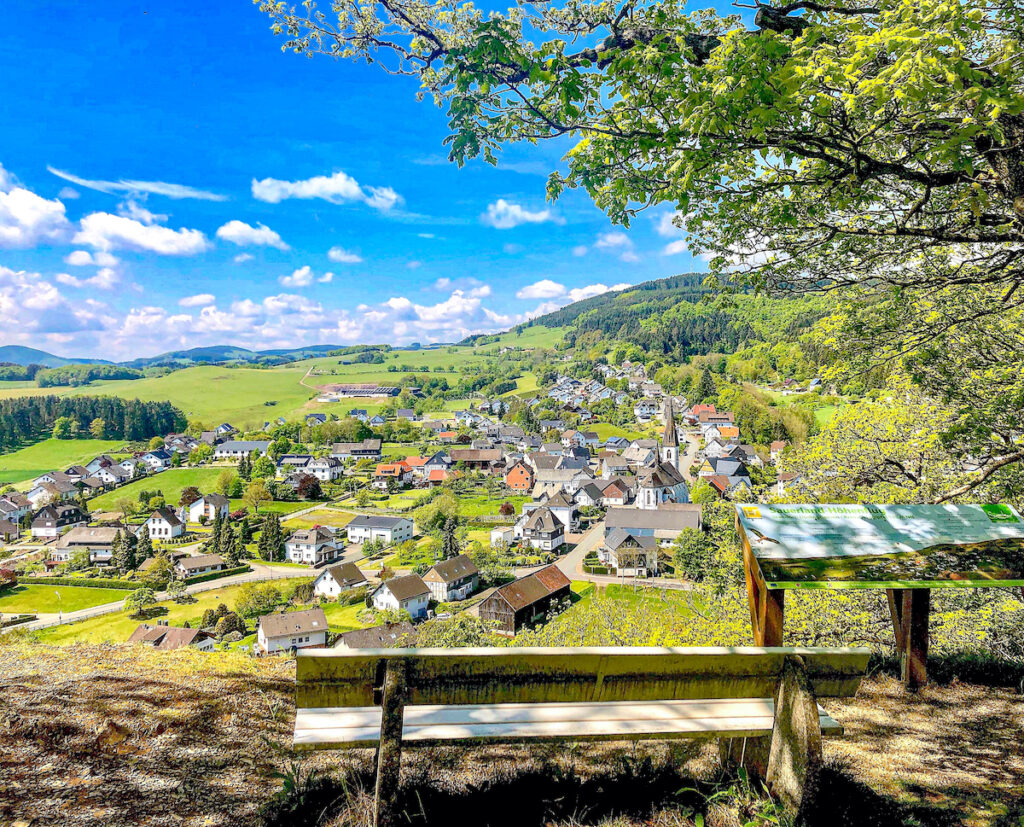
[877, 546]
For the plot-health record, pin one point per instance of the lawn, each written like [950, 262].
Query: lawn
[117, 627]
[823, 414]
[341, 618]
[169, 482]
[478, 505]
[605, 430]
[40, 598]
[322, 516]
[50, 455]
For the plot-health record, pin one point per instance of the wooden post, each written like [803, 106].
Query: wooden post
[389, 754]
[767, 606]
[794, 760]
[774, 614]
[909, 609]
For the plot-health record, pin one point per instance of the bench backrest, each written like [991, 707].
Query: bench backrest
[340, 678]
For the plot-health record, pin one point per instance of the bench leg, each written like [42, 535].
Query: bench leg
[389, 754]
[794, 761]
[749, 753]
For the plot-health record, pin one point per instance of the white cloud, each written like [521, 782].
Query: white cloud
[667, 224]
[543, 289]
[480, 292]
[579, 250]
[106, 232]
[176, 191]
[106, 278]
[242, 234]
[591, 290]
[32, 310]
[338, 188]
[617, 242]
[134, 210]
[414, 265]
[83, 258]
[504, 215]
[343, 256]
[68, 193]
[303, 277]
[326, 278]
[198, 300]
[674, 248]
[26, 218]
[241, 258]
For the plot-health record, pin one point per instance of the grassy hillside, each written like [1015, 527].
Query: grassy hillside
[43, 598]
[170, 482]
[51, 454]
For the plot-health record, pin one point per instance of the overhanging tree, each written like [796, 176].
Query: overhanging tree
[870, 148]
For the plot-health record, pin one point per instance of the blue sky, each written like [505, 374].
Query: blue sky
[170, 179]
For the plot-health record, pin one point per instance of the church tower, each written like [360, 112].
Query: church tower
[670, 441]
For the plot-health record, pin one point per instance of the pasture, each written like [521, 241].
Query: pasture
[50, 455]
[43, 598]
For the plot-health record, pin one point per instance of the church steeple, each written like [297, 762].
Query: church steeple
[670, 441]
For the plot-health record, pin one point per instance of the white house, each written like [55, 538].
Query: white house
[235, 449]
[208, 505]
[631, 555]
[325, 469]
[97, 540]
[407, 593]
[200, 564]
[157, 460]
[285, 631]
[312, 546]
[337, 579]
[163, 524]
[542, 530]
[389, 529]
[453, 579]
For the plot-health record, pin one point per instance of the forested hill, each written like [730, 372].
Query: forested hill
[681, 316]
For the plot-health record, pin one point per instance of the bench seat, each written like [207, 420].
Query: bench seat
[353, 727]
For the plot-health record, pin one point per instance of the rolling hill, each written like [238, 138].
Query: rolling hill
[20, 355]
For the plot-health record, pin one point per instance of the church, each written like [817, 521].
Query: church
[662, 481]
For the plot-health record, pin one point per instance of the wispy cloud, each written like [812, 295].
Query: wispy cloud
[176, 191]
[342, 256]
[504, 215]
[339, 188]
[198, 300]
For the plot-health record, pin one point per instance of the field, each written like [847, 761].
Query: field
[323, 516]
[605, 430]
[214, 394]
[50, 455]
[117, 627]
[40, 598]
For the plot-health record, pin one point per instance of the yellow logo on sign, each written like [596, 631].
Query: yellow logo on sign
[751, 512]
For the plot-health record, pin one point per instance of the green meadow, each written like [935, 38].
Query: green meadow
[43, 598]
[50, 455]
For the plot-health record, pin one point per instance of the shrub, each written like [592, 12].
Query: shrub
[303, 592]
[257, 599]
[229, 623]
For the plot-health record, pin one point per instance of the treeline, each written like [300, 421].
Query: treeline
[30, 418]
[76, 375]
[13, 372]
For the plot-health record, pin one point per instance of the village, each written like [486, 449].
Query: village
[334, 527]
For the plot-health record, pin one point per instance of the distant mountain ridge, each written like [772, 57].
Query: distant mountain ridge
[20, 355]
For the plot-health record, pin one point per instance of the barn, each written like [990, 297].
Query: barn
[522, 601]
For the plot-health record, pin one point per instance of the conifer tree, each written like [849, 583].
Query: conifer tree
[144, 549]
[218, 526]
[131, 551]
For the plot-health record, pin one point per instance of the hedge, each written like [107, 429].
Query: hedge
[88, 583]
[214, 575]
[16, 620]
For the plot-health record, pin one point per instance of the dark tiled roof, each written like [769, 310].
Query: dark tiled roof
[406, 587]
[294, 623]
[454, 568]
[534, 587]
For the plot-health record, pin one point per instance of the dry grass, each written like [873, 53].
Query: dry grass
[113, 734]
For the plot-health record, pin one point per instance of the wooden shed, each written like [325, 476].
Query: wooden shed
[516, 604]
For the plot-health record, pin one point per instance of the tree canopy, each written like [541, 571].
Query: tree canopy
[874, 151]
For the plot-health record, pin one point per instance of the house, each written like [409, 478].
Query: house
[96, 463]
[777, 448]
[316, 419]
[645, 409]
[519, 477]
[641, 452]
[9, 531]
[590, 495]
[729, 467]
[76, 473]
[210, 438]
[358, 413]
[200, 564]
[132, 466]
[616, 443]
[14, 505]
[288, 463]
[542, 530]
[163, 524]
[613, 466]
[453, 579]
[728, 432]
[390, 530]
[111, 475]
[235, 449]
[590, 439]
[312, 546]
[180, 443]
[325, 469]
[517, 604]
[630, 554]
[406, 413]
[162, 636]
[367, 449]
[399, 472]
[334, 580]
[615, 492]
[225, 430]
[572, 438]
[377, 420]
[285, 631]
[51, 492]
[663, 524]
[209, 506]
[417, 467]
[157, 460]
[437, 477]
[447, 437]
[407, 593]
[97, 540]
[54, 519]
[379, 637]
[438, 462]
[485, 459]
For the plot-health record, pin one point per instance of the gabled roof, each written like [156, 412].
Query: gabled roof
[166, 637]
[200, 562]
[542, 520]
[534, 587]
[293, 623]
[316, 535]
[620, 537]
[455, 568]
[375, 521]
[667, 517]
[166, 513]
[345, 575]
[379, 637]
[405, 587]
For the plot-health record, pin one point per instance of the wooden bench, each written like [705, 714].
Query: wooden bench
[386, 698]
